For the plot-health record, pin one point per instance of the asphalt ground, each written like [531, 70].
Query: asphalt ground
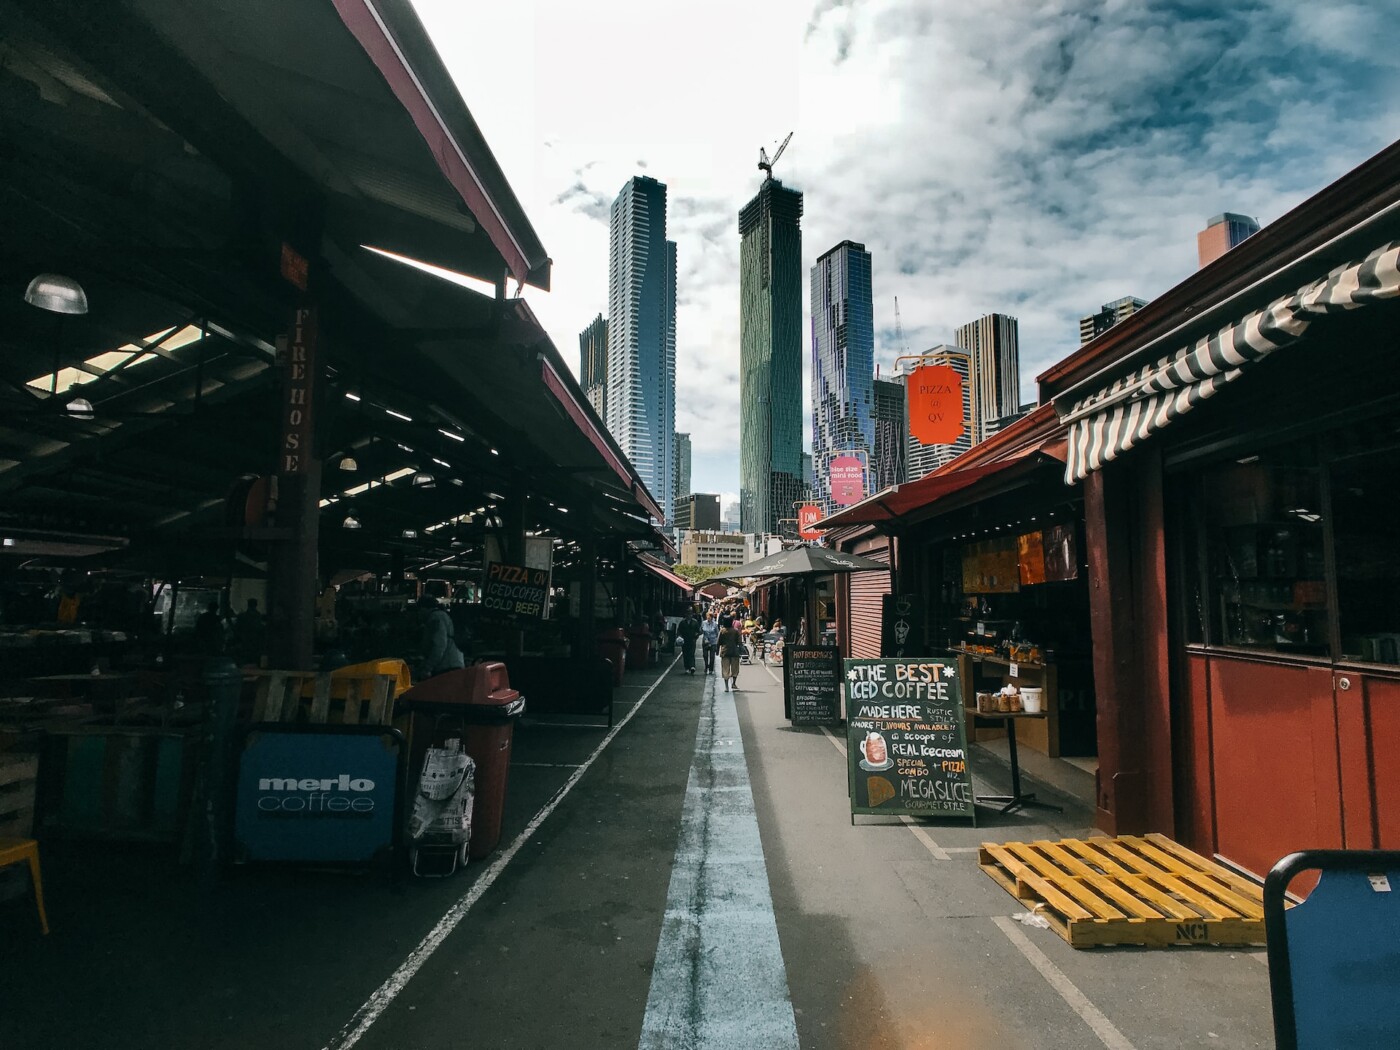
[889, 934]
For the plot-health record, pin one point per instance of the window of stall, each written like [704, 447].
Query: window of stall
[1296, 547]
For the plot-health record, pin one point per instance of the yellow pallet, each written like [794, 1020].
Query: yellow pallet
[1128, 890]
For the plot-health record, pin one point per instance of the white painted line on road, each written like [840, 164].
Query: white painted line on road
[923, 836]
[835, 740]
[719, 980]
[545, 765]
[1078, 1002]
[387, 992]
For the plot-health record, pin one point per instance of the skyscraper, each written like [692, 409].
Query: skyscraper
[593, 365]
[887, 459]
[1221, 234]
[920, 459]
[641, 370]
[770, 357]
[996, 368]
[843, 357]
[682, 484]
[1095, 325]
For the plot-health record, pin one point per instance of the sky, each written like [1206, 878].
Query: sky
[1037, 159]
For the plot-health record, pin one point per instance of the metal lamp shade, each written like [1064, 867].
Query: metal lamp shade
[57, 294]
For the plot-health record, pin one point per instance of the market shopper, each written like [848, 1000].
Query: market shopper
[709, 631]
[439, 651]
[687, 632]
[731, 646]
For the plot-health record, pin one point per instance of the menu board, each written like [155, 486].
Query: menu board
[812, 681]
[516, 591]
[906, 750]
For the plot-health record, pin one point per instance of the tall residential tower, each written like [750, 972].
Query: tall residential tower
[641, 375]
[1221, 234]
[843, 357]
[992, 342]
[593, 365]
[770, 357]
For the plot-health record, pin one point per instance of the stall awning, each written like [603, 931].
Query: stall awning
[667, 575]
[900, 500]
[1122, 415]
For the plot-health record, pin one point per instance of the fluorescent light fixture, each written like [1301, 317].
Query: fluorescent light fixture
[494, 452]
[494, 495]
[351, 397]
[399, 415]
[409, 534]
[441, 462]
[1246, 460]
[450, 434]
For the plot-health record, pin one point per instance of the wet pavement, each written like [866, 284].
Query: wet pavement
[689, 879]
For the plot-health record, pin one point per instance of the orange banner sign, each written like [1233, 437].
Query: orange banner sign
[807, 516]
[935, 404]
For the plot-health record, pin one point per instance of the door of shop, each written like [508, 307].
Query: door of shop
[1301, 757]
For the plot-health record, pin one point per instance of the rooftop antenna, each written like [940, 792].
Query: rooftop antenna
[764, 164]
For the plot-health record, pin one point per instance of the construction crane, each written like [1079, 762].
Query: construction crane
[899, 330]
[764, 164]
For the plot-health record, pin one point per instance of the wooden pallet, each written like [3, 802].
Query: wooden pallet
[1128, 890]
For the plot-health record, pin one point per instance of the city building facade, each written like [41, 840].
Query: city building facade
[992, 342]
[843, 358]
[1221, 234]
[641, 365]
[710, 549]
[888, 457]
[593, 365]
[771, 477]
[1094, 325]
[697, 510]
[681, 488]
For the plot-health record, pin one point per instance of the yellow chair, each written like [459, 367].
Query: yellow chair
[13, 851]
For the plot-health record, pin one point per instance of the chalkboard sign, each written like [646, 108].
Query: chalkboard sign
[812, 681]
[517, 592]
[906, 751]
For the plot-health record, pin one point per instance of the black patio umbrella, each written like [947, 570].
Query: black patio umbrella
[804, 562]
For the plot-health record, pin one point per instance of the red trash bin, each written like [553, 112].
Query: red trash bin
[639, 645]
[612, 646]
[482, 697]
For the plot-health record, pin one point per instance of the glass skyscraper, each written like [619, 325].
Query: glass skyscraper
[641, 370]
[887, 460]
[771, 478]
[593, 365]
[682, 484]
[843, 360]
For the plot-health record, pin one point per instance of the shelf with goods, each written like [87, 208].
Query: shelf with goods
[983, 673]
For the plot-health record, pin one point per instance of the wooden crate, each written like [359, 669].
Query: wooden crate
[18, 777]
[1128, 890]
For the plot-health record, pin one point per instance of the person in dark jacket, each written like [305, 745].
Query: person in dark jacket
[688, 631]
[439, 649]
[731, 645]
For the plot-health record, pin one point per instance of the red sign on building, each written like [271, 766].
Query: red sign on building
[847, 477]
[807, 516]
[936, 404]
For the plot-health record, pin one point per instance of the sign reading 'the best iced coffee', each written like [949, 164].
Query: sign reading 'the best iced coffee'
[906, 750]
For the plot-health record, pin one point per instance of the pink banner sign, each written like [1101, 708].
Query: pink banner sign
[847, 478]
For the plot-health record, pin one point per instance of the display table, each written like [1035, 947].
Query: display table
[983, 673]
[1017, 799]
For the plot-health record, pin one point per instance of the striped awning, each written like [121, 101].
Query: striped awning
[1108, 423]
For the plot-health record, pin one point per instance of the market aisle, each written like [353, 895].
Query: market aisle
[718, 980]
[894, 937]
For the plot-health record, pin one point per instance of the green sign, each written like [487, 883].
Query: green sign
[906, 750]
[812, 680]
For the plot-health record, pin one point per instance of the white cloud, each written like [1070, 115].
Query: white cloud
[1037, 160]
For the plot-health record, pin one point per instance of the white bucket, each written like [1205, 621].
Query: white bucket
[1030, 699]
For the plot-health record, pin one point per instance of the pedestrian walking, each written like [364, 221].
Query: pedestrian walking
[687, 632]
[709, 631]
[731, 647]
